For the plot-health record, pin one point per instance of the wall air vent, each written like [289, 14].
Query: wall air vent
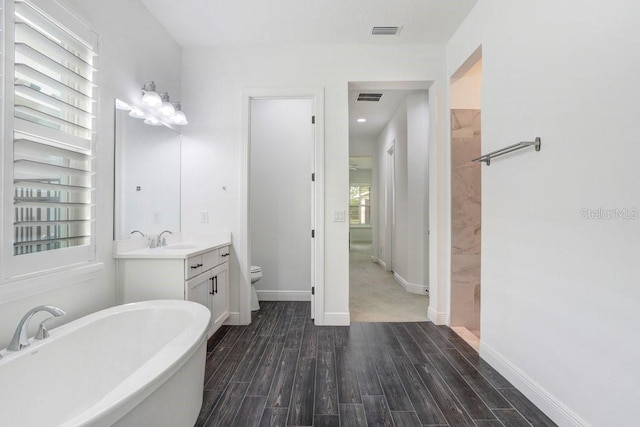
[375, 97]
[385, 31]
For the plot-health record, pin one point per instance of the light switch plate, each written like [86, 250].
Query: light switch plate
[338, 216]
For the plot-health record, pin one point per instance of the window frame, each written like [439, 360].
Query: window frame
[16, 268]
[360, 185]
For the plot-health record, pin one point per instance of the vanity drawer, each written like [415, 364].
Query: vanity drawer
[224, 254]
[193, 266]
[210, 259]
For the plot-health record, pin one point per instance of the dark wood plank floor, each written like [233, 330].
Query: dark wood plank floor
[282, 370]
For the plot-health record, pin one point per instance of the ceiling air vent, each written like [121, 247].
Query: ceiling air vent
[385, 31]
[375, 97]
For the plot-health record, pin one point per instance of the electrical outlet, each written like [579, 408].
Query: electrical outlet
[156, 218]
[204, 217]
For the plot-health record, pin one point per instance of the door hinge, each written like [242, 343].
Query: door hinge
[313, 290]
[313, 120]
[313, 177]
[313, 234]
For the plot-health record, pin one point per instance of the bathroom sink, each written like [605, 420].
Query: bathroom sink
[180, 247]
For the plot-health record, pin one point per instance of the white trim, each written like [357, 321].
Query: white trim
[277, 295]
[37, 283]
[233, 319]
[243, 246]
[381, 263]
[375, 259]
[337, 319]
[412, 288]
[437, 317]
[549, 404]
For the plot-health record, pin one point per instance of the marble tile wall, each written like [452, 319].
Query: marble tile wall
[465, 219]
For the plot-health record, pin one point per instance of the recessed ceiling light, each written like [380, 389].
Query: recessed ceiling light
[362, 120]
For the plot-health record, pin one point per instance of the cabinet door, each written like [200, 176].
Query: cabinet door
[220, 307]
[199, 290]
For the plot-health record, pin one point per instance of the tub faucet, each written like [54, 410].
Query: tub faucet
[20, 339]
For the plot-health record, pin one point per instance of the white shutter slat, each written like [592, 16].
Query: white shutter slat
[54, 133]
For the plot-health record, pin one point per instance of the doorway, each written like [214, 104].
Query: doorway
[466, 200]
[282, 198]
[388, 272]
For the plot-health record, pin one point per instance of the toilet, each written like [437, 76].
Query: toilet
[256, 274]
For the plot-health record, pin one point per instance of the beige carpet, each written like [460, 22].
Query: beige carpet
[375, 296]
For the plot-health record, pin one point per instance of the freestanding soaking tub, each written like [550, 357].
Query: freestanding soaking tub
[139, 364]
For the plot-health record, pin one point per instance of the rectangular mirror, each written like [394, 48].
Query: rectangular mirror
[147, 177]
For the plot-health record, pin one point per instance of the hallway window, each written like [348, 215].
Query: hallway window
[359, 204]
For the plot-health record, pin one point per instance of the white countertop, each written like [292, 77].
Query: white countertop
[178, 247]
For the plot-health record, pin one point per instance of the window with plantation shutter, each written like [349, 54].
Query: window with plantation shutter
[53, 133]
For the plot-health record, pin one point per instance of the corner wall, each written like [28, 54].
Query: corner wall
[560, 264]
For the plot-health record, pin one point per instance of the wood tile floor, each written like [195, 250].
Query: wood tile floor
[282, 370]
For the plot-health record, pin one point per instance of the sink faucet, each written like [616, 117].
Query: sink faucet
[137, 231]
[20, 339]
[161, 240]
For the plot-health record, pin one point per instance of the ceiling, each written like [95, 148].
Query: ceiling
[259, 22]
[377, 114]
[197, 23]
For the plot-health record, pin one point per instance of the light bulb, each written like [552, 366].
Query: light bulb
[150, 97]
[166, 109]
[179, 118]
[152, 121]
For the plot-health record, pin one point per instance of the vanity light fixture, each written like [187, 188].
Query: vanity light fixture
[166, 108]
[150, 120]
[150, 97]
[178, 118]
[155, 108]
[137, 113]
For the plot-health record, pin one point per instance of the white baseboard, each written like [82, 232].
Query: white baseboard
[337, 319]
[283, 295]
[410, 287]
[549, 404]
[375, 260]
[381, 263]
[233, 319]
[437, 317]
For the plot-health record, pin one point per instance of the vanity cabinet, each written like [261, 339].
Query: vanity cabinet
[211, 289]
[202, 278]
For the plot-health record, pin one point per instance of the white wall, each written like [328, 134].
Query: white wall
[409, 128]
[418, 187]
[133, 49]
[213, 83]
[560, 292]
[280, 198]
[465, 92]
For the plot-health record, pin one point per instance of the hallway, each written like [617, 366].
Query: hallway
[375, 296]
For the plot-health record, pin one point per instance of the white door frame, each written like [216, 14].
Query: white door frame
[243, 245]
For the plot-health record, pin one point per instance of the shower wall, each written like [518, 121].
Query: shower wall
[465, 219]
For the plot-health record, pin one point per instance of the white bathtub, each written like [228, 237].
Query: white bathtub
[138, 364]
